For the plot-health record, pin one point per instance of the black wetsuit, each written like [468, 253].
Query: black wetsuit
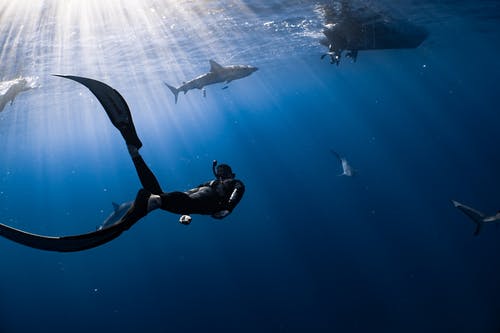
[207, 198]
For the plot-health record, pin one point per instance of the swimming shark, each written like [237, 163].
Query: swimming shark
[10, 89]
[476, 216]
[347, 169]
[118, 211]
[217, 74]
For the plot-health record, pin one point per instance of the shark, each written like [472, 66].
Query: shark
[347, 169]
[217, 74]
[476, 216]
[118, 211]
[10, 89]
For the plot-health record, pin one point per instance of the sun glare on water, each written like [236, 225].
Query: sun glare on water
[125, 43]
[96, 33]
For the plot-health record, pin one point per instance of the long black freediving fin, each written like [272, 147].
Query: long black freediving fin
[72, 243]
[61, 244]
[115, 106]
[83, 241]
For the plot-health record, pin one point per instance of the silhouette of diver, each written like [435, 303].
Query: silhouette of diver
[217, 197]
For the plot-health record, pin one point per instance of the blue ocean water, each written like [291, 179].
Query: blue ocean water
[305, 250]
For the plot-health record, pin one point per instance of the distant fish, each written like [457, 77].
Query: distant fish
[119, 211]
[347, 170]
[476, 216]
[217, 74]
[10, 89]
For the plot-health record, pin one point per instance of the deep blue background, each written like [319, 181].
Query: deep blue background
[306, 250]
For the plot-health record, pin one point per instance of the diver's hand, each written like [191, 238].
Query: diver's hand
[185, 219]
[221, 214]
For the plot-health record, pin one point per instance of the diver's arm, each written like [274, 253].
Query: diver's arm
[236, 196]
[147, 178]
[234, 199]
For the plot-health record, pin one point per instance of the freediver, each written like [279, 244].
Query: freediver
[217, 197]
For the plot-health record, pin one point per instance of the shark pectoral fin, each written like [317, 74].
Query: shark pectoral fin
[478, 229]
[115, 206]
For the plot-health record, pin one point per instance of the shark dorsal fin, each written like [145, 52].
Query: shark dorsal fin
[215, 67]
[115, 206]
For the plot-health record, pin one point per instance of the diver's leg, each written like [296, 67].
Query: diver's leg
[146, 176]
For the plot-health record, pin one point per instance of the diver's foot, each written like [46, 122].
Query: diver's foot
[129, 135]
[139, 208]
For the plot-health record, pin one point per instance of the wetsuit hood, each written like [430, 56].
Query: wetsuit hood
[224, 171]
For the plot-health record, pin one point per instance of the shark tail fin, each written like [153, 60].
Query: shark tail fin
[476, 216]
[174, 91]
